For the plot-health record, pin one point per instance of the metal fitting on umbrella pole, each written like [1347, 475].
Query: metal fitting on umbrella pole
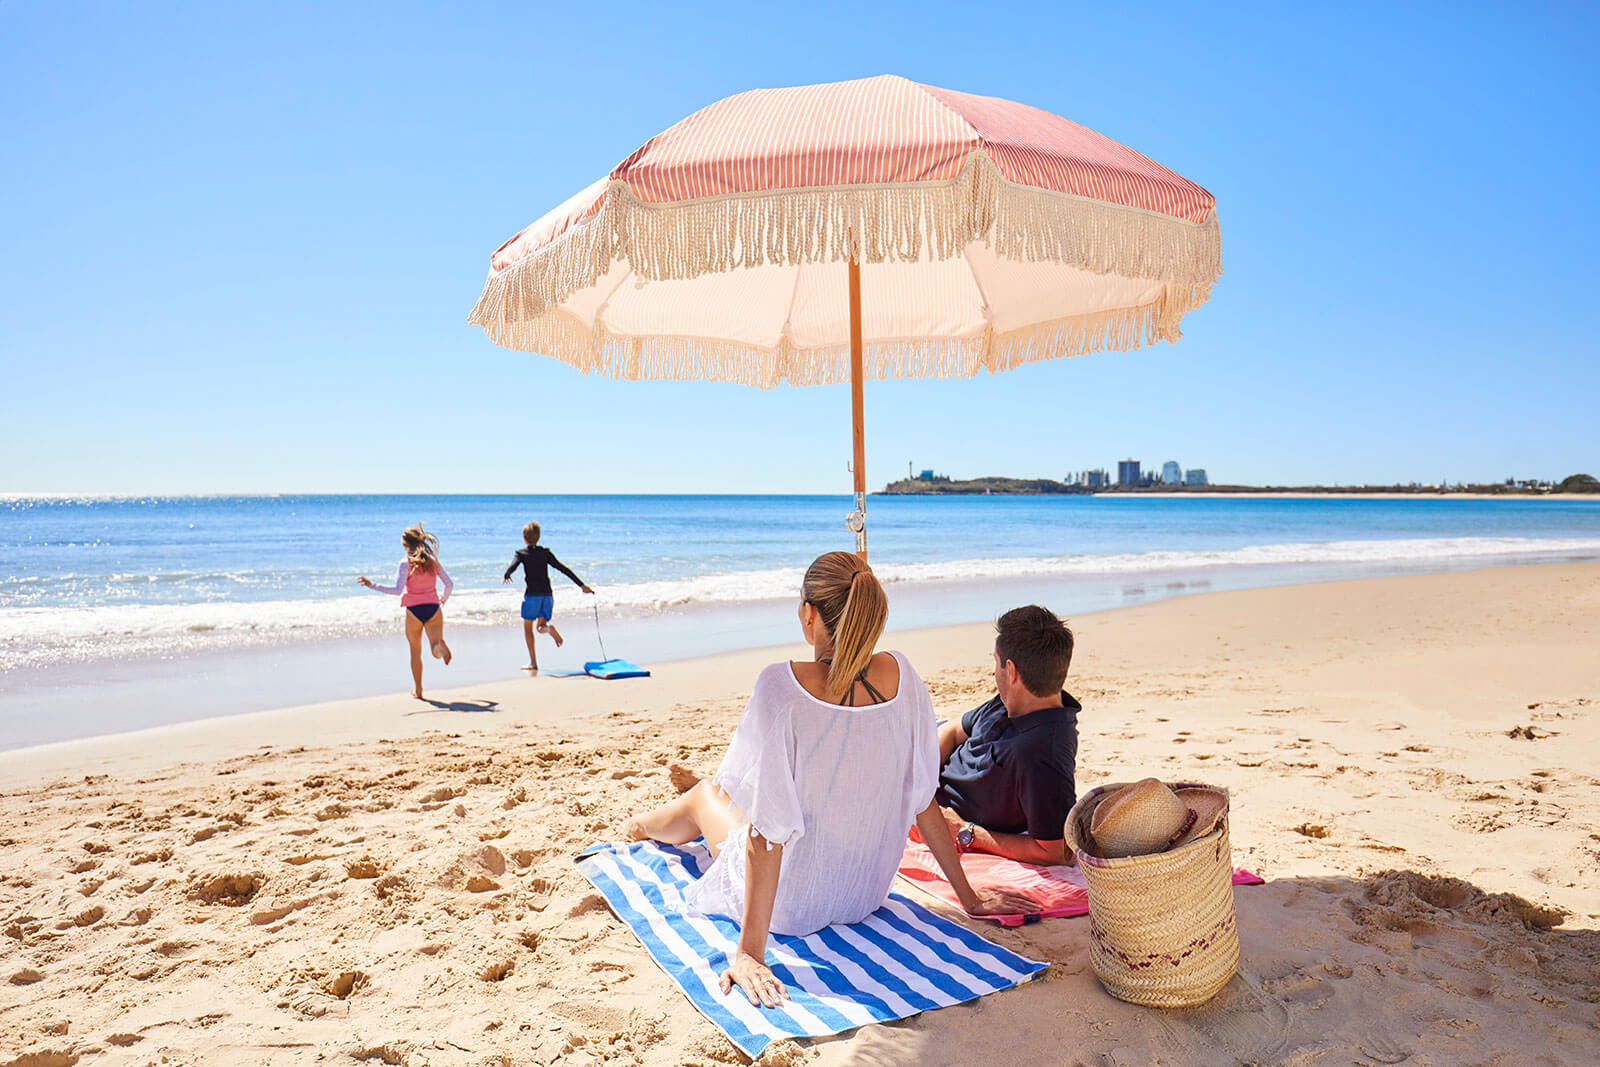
[856, 521]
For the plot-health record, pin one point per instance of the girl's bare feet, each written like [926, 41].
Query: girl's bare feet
[555, 635]
[531, 669]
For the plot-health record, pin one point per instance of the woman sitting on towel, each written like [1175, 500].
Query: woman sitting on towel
[832, 762]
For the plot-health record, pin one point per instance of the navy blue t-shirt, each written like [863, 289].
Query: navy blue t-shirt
[1015, 775]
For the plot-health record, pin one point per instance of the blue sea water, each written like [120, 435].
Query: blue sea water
[122, 614]
[88, 579]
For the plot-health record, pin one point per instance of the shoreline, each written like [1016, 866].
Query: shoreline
[122, 691]
[561, 698]
[1408, 761]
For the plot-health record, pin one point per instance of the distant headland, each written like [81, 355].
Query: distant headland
[931, 484]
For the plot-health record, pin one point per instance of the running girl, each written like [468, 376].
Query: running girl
[416, 586]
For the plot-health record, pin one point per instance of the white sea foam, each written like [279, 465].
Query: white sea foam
[34, 637]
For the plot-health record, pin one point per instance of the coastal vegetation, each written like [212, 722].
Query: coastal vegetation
[942, 485]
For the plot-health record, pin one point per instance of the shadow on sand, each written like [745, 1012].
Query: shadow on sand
[456, 705]
[1396, 967]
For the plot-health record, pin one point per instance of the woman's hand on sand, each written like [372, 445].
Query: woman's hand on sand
[755, 979]
[1001, 902]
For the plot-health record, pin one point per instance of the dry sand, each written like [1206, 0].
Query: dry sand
[1412, 762]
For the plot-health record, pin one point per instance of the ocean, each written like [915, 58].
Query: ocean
[149, 589]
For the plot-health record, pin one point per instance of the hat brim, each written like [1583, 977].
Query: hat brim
[1210, 807]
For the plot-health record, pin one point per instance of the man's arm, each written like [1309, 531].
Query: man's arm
[951, 737]
[936, 835]
[1022, 847]
[1012, 846]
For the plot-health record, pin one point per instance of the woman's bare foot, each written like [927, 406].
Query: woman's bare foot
[682, 778]
[633, 829]
[441, 651]
[533, 672]
[417, 693]
[555, 635]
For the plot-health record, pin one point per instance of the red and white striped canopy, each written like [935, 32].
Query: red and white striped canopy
[990, 233]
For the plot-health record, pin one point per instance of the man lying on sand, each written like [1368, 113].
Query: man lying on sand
[1006, 775]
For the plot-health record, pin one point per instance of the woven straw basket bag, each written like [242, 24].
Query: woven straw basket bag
[1161, 927]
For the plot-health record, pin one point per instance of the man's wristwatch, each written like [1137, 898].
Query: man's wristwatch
[964, 836]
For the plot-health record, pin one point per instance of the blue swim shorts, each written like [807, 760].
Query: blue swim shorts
[538, 607]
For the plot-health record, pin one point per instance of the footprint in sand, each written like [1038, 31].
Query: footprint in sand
[540, 890]
[591, 902]
[87, 917]
[1480, 822]
[365, 867]
[1299, 990]
[231, 890]
[346, 984]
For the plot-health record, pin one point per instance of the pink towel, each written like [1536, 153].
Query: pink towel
[1059, 891]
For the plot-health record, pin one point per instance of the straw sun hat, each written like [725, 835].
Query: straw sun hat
[1147, 817]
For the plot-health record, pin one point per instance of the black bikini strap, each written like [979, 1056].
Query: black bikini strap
[872, 690]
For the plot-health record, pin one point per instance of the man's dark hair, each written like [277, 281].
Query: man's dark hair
[1039, 644]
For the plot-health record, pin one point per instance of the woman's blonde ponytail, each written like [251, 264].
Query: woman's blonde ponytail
[854, 609]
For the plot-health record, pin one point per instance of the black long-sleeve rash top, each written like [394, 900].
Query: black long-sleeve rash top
[536, 562]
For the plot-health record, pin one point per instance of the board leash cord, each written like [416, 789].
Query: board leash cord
[597, 637]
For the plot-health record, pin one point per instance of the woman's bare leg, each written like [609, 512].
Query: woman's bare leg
[414, 636]
[533, 655]
[704, 811]
[435, 628]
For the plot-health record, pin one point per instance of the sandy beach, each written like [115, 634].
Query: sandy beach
[1411, 761]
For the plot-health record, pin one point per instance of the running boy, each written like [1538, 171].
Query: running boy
[538, 601]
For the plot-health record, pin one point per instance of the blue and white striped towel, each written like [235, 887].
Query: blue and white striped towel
[901, 960]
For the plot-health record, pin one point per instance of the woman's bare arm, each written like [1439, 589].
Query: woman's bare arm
[936, 835]
[748, 969]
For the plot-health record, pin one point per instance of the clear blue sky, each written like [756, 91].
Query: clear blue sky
[239, 242]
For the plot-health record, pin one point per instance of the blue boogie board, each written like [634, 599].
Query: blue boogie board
[609, 669]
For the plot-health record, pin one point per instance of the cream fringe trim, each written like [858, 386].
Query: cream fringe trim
[563, 336]
[519, 306]
[872, 224]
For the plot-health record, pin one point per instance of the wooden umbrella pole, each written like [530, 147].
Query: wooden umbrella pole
[858, 519]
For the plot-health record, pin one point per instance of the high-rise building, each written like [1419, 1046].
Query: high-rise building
[1171, 473]
[1195, 476]
[1128, 472]
[1095, 479]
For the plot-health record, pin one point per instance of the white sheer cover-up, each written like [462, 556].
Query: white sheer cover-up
[837, 787]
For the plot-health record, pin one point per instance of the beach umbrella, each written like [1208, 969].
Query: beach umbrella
[876, 228]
